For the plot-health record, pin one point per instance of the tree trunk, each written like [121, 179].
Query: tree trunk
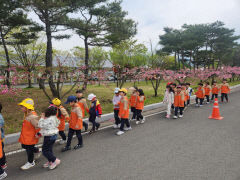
[49, 60]
[85, 82]
[7, 58]
[175, 58]
[29, 80]
[179, 65]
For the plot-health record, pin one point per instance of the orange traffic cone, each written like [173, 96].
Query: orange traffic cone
[215, 112]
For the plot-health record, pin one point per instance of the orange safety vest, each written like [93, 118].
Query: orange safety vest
[123, 114]
[215, 90]
[207, 90]
[1, 150]
[178, 101]
[75, 122]
[61, 126]
[225, 89]
[133, 100]
[200, 93]
[28, 133]
[140, 104]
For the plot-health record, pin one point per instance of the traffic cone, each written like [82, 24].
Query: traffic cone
[215, 112]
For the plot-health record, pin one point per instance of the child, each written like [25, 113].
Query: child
[75, 123]
[189, 91]
[184, 90]
[28, 137]
[179, 102]
[207, 89]
[124, 112]
[116, 100]
[94, 111]
[62, 115]
[200, 94]
[168, 99]
[140, 106]
[215, 90]
[3, 165]
[49, 129]
[83, 104]
[173, 86]
[225, 90]
[133, 101]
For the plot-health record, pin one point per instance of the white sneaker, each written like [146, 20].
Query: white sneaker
[137, 122]
[143, 121]
[37, 156]
[3, 175]
[28, 165]
[200, 105]
[119, 125]
[61, 142]
[197, 105]
[208, 102]
[128, 128]
[119, 133]
[115, 126]
[133, 119]
[174, 117]
[180, 116]
[46, 165]
[54, 164]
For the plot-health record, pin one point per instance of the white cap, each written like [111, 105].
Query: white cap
[116, 90]
[91, 96]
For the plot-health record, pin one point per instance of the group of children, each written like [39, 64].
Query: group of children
[121, 105]
[52, 122]
[178, 97]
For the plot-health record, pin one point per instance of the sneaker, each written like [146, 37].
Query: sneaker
[38, 154]
[174, 117]
[46, 165]
[119, 125]
[98, 126]
[28, 165]
[180, 116]
[197, 105]
[137, 122]
[54, 164]
[115, 126]
[208, 102]
[128, 128]
[119, 133]
[133, 119]
[66, 148]
[78, 146]
[201, 105]
[143, 121]
[61, 142]
[4, 166]
[3, 175]
[168, 116]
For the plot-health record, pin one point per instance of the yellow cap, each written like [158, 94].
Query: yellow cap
[27, 103]
[56, 102]
[123, 90]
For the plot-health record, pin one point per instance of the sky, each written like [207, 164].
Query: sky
[153, 15]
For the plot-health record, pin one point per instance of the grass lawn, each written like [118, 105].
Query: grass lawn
[13, 116]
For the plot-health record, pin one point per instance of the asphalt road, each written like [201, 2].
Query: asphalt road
[191, 148]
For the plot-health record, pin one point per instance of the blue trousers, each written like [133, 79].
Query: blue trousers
[47, 148]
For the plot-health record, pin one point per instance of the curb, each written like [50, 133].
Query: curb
[13, 138]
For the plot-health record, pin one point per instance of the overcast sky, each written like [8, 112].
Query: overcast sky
[153, 15]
